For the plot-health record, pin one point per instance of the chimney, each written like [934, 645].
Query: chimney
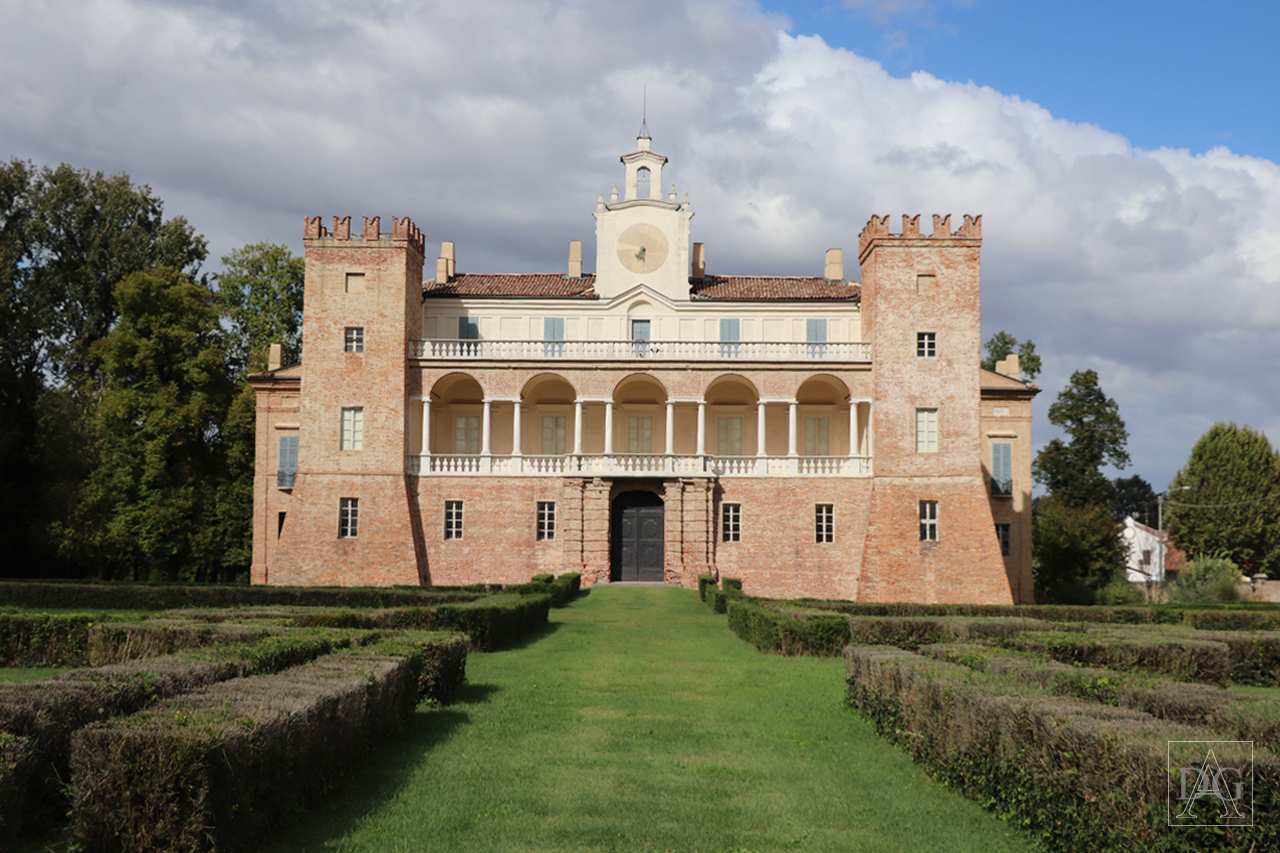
[446, 252]
[575, 259]
[276, 357]
[699, 261]
[835, 265]
[1009, 366]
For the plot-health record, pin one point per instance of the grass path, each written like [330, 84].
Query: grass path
[638, 722]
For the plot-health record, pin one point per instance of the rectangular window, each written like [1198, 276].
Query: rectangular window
[453, 519]
[926, 284]
[469, 330]
[353, 428]
[926, 344]
[553, 436]
[816, 335]
[1002, 469]
[926, 430]
[817, 436]
[287, 469]
[731, 522]
[824, 518]
[1002, 536]
[729, 440]
[280, 524]
[355, 282]
[730, 333]
[348, 518]
[553, 330]
[546, 521]
[466, 430]
[640, 435]
[353, 339]
[640, 334]
[928, 521]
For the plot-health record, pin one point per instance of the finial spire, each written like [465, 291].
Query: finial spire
[644, 113]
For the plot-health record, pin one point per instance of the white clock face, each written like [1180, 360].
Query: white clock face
[642, 248]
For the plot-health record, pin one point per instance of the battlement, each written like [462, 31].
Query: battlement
[402, 229]
[877, 228]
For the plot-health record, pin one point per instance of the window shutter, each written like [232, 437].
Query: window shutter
[287, 469]
[1002, 468]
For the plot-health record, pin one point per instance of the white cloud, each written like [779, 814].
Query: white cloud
[496, 123]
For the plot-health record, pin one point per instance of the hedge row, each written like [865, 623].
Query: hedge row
[1179, 656]
[214, 768]
[42, 640]
[1241, 716]
[45, 595]
[913, 632]
[40, 716]
[562, 589]
[789, 634]
[1080, 775]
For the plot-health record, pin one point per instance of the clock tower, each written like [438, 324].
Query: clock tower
[643, 238]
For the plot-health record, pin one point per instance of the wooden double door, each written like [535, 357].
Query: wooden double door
[637, 537]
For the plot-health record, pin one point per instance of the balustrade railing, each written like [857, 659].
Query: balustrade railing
[473, 350]
[642, 464]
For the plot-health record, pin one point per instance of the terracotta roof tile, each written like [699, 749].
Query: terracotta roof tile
[535, 284]
[773, 288]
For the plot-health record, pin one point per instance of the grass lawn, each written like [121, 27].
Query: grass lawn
[29, 674]
[638, 722]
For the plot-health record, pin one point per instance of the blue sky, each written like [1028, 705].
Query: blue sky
[1123, 155]
[1173, 73]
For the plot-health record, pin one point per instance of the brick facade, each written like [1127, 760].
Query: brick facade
[524, 407]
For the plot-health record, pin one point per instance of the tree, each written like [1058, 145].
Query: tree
[1134, 496]
[1003, 344]
[146, 508]
[1232, 506]
[1077, 551]
[260, 289]
[67, 237]
[1072, 471]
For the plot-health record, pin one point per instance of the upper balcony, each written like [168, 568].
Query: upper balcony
[777, 351]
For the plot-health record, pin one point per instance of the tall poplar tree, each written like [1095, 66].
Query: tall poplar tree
[1231, 504]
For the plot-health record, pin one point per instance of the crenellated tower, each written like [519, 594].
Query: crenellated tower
[362, 302]
[930, 534]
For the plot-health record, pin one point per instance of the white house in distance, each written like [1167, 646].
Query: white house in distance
[1148, 551]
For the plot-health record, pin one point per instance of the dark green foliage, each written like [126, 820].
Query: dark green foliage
[1002, 345]
[788, 634]
[1045, 612]
[1232, 620]
[1207, 579]
[704, 582]
[439, 664]
[1134, 497]
[1067, 770]
[126, 596]
[728, 584]
[212, 770]
[914, 632]
[1077, 551]
[562, 590]
[1200, 659]
[67, 238]
[496, 622]
[1232, 506]
[1072, 471]
[260, 291]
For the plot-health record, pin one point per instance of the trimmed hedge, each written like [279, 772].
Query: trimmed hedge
[789, 634]
[705, 582]
[438, 663]
[497, 621]
[1079, 775]
[913, 632]
[49, 640]
[45, 595]
[1181, 657]
[1043, 612]
[45, 713]
[214, 768]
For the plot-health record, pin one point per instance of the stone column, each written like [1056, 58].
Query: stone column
[791, 429]
[577, 427]
[671, 427]
[516, 447]
[760, 449]
[425, 450]
[486, 460]
[608, 427]
[702, 427]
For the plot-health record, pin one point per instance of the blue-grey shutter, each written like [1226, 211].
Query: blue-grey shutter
[287, 470]
[553, 328]
[469, 328]
[1002, 469]
[816, 330]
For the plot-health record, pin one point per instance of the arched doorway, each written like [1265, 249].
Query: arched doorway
[637, 537]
